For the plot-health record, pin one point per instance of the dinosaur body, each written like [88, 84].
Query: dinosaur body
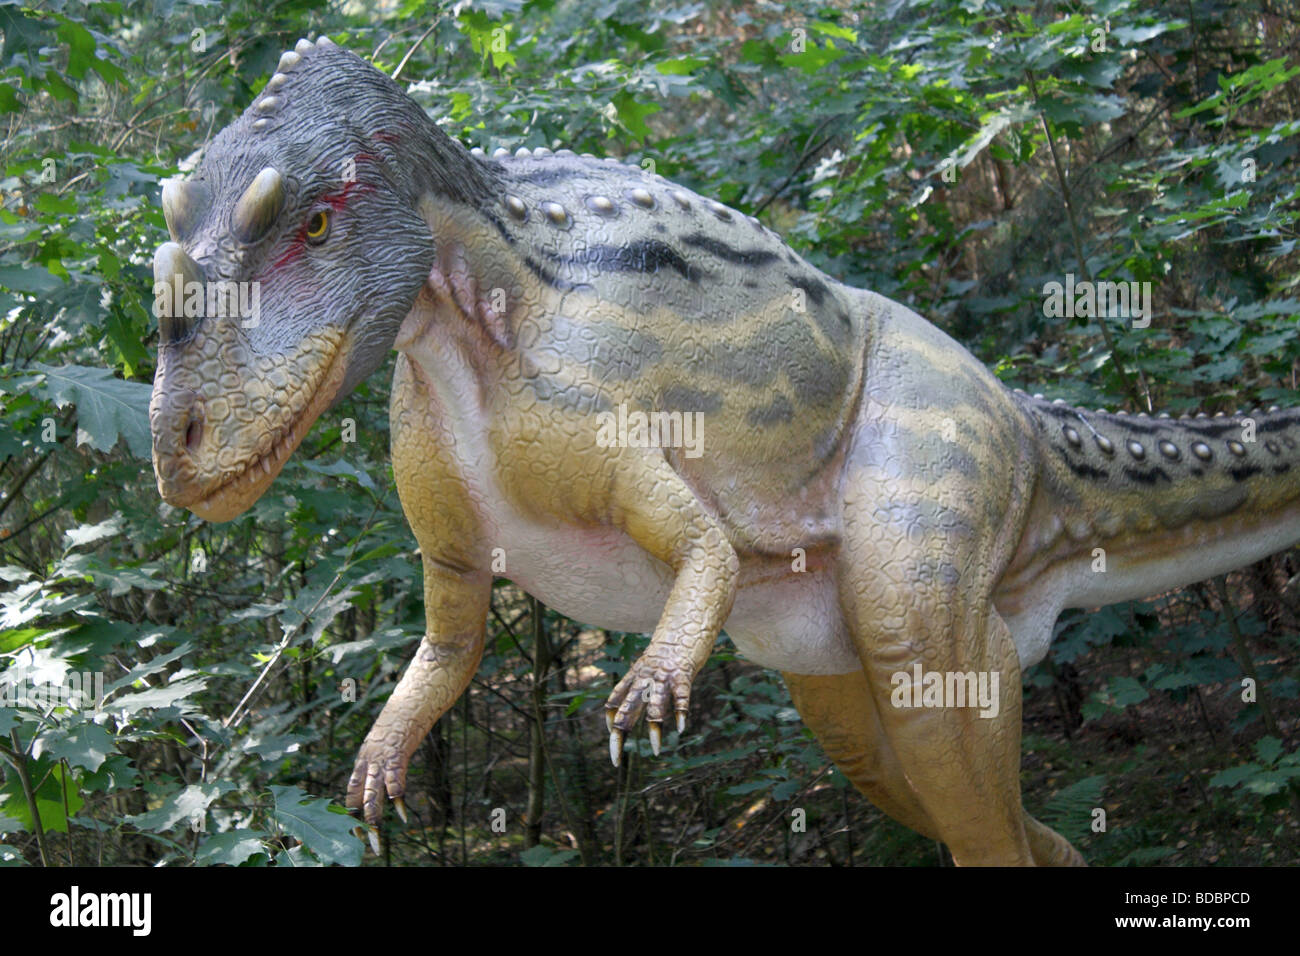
[844, 487]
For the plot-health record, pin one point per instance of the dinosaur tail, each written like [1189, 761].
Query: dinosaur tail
[1129, 506]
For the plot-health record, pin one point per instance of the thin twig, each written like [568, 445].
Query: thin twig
[1077, 237]
[423, 36]
[236, 717]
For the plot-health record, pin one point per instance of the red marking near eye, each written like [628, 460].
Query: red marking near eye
[339, 198]
[336, 200]
[294, 251]
[385, 137]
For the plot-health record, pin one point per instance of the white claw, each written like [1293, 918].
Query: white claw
[681, 721]
[609, 719]
[374, 841]
[656, 738]
[400, 806]
[616, 746]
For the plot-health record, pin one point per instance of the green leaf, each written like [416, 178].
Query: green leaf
[1268, 749]
[545, 856]
[81, 48]
[834, 30]
[30, 278]
[9, 720]
[86, 746]
[328, 835]
[1126, 690]
[49, 797]
[786, 789]
[682, 65]
[341, 467]
[1271, 781]
[232, 848]
[157, 698]
[107, 407]
[1235, 775]
[90, 533]
[183, 808]
[813, 58]
[632, 113]
[1130, 36]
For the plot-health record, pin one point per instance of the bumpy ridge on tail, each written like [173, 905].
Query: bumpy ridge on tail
[1169, 500]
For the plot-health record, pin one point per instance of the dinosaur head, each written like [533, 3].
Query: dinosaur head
[295, 252]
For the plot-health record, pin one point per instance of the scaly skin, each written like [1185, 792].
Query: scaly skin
[865, 497]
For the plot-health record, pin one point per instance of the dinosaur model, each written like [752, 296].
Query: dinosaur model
[667, 421]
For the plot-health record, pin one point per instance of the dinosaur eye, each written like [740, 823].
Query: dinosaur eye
[318, 227]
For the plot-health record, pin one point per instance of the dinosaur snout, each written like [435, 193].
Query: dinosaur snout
[176, 418]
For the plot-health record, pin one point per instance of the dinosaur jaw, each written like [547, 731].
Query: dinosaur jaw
[225, 421]
[239, 493]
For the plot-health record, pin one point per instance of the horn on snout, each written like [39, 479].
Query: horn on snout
[258, 207]
[173, 267]
[183, 206]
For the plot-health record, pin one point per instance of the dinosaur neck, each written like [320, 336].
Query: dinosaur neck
[442, 167]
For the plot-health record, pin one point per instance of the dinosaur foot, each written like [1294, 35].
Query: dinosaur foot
[653, 685]
[380, 771]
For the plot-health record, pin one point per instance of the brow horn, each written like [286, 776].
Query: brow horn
[258, 207]
[183, 206]
[173, 266]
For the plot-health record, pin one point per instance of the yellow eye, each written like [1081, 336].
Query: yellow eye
[318, 227]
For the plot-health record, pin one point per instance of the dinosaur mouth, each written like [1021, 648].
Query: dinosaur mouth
[216, 451]
[238, 493]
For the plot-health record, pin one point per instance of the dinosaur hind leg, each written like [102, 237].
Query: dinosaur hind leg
[1049, 847]
[841, 711]
[926, 532]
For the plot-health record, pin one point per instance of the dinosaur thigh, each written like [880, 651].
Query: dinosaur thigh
[945, 678]
[927, 527]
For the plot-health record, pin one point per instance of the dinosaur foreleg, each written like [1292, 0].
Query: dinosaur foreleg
[661, 514]
[456, 606]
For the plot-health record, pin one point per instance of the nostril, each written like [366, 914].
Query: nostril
[193, 435]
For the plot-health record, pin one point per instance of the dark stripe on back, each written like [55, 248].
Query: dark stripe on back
[741, 257]
[815, 289]
[1082, 468]
[646, 255]
[1147, 476]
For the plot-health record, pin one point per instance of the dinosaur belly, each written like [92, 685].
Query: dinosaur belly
[596, 576]
[794, 625]
[601, 578]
